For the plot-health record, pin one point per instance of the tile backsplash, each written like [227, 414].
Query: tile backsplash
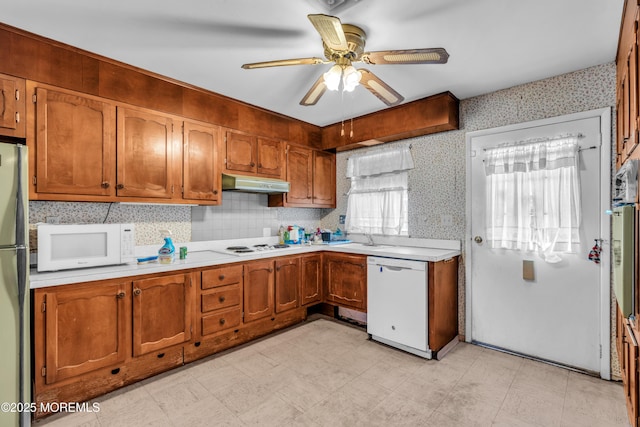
[247, 215]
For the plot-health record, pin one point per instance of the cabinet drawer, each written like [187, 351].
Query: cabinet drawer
[222, 297]
[215, 322]
[221, 276]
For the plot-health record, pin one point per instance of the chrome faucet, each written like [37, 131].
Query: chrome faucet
[370, 240]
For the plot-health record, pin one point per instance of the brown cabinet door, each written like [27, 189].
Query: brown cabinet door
[242, 152]
[145, 154]
[270, 155]
[12, 106]
[258, 290]
[162, 312]
[86, 328]
[200, 170]
[324, 179]
[300, 175]
[345, 278]
[443, 302]
[311, 279]
[75, 144]
[630, 378]
[287, 283]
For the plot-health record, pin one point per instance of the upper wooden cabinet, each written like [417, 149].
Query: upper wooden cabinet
[324, 179]
[12, 106]
[312, 175]
[201, 176]
[85, 148]
[628, 87]
[249, 154]
[74, 137]
[146, 154]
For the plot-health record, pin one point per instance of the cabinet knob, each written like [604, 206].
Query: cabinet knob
[222, 299]
[270, 270]
[252, 164]
[104, 185]
[137, 291]
[221, 277]
[278, 268]
[215, 191]
[120, 186]
[222, 321]
[120, 295]
[260, 165]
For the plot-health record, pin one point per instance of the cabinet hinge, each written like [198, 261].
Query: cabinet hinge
[43, 308]
[242, 315]
[17, 94]
[171, 189]
[35, 180]
[600, 351]
[34, 98]
[17, 117]
[43, 372]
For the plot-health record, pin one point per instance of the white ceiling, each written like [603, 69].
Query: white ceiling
[493, 44]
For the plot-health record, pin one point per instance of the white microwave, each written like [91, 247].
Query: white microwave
[67, 246]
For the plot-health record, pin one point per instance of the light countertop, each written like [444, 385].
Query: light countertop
[207, 254]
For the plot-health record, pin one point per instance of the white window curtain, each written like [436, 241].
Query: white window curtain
[533, 197]
[378, 198]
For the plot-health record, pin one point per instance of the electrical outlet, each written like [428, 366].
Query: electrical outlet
[52, 220]
[342, 219]
[446, 220]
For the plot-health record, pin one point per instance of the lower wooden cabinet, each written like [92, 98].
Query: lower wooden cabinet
[345, 280]
[627, 346]
[310, 279]
[81, 329]
[258, 290]
[287, 282]
[220, 297]
[161, 312]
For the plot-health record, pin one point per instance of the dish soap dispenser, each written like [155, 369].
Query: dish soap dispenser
[166, 254]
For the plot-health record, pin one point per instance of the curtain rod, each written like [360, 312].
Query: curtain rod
[536, 141]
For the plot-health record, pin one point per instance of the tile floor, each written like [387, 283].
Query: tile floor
[326, 373]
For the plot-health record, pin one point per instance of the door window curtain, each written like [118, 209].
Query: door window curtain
[533, 197]
[378, 198]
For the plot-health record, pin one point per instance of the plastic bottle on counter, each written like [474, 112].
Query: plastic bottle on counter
[281, 238]
[167, 253]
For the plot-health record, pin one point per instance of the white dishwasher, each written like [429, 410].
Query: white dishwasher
[397, 304]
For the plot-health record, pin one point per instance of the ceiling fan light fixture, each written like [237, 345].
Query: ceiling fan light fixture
[350, 78]
[332, 77]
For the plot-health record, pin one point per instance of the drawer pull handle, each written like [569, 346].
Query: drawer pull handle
[120, 295]
[222, 299]
[104, 185]
[222, 321]
[160, 356]
[115, 371]
[197, 344]
[120, 186]
[137, 291]
[221, 277]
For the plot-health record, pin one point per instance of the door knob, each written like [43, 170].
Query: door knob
[477, 239]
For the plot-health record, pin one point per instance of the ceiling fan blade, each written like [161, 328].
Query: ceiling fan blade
[383, 91]
[330, 29]
[314, 94]
[282, 62]
[408, 56]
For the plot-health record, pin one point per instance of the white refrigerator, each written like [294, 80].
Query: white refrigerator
[15, 389]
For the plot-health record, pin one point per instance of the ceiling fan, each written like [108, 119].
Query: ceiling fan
[344, 45]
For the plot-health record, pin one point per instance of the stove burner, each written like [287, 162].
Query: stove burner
[236, 248]
[280, 246]
[243, 250]
[260, 246]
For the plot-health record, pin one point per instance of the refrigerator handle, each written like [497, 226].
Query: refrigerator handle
[21, 255]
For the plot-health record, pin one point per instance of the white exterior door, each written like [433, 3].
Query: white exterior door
[562, 315]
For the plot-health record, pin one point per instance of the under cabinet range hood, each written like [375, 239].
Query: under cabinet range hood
[254, 184]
